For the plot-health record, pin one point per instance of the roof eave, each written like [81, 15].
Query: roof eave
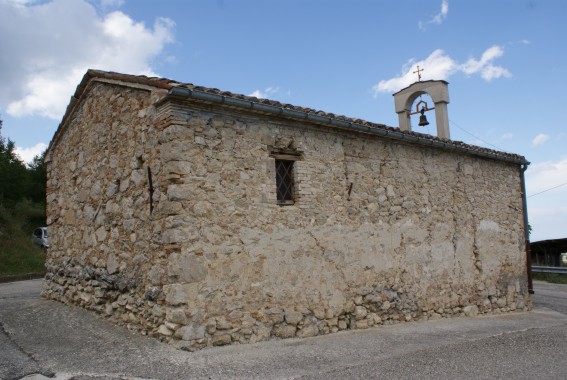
[382, 130]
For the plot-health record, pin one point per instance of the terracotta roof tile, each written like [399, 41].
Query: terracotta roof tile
[168, 84]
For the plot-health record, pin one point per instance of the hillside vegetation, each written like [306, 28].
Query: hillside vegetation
[17, 253]
[22, 208]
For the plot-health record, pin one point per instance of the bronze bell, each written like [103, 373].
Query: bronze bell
[422, 119]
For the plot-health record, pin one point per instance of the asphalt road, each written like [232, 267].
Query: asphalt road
[42, 339]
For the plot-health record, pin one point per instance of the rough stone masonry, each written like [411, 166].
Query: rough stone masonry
[164, 216]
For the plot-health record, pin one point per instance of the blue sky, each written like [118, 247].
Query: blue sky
[505, 61]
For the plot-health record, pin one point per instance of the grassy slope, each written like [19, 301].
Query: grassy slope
[17, 253]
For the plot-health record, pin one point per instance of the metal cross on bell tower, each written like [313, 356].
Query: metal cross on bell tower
[418, 72]
[424, 107]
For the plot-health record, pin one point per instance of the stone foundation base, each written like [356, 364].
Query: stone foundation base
[147, 312]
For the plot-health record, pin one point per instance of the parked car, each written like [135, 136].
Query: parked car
[39, 238]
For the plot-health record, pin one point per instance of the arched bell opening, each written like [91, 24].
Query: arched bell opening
[437, 91]
[422, 114]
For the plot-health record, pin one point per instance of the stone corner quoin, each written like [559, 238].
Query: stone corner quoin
[164, 216]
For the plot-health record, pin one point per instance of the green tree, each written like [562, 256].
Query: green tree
[22, 208]
[14, 178]
[37, 178]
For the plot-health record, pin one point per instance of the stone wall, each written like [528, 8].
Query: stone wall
[98, 211]
[380, 232]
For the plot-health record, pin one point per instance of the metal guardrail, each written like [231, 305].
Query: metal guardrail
[555, 270]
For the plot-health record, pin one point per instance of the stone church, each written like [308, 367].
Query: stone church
[206, 218]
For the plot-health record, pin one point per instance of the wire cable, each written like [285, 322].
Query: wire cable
[476, 137]
[546, 190]
[494, 146]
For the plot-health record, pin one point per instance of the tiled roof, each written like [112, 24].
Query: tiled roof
[395, 133]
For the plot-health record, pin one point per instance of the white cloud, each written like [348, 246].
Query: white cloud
[484, 65]
[540, 139]
[547, 221]
[438, 18]
[111, 3]
[507, 136]
[439, 65]
[27, 154]
[20, 2]
[546, 186]
[268, 92]
[472, 65]
[257, 94]
[494, 72]
[546, 175]
[52, 44]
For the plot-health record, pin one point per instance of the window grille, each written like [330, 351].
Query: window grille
[284, 182]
